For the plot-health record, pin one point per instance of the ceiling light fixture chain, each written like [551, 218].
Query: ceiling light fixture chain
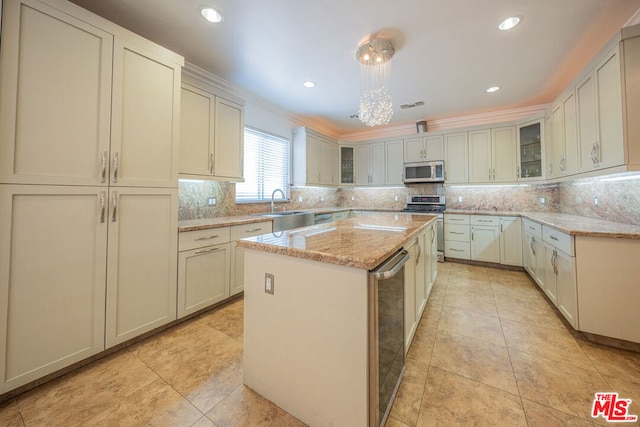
[376, 106]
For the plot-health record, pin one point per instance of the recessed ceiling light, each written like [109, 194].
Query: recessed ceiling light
[509, 23]
[210, 14]
[309, 84]
[493, 89]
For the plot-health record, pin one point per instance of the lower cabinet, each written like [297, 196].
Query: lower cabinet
[533, 251]
[211, 266]
[560, 273]
[81, 268]
[485, 238]
[457, 237]
[511, 241]
[417, 287]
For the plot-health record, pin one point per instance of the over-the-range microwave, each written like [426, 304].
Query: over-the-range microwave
[416, 172]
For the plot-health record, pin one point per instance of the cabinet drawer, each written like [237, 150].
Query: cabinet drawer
[532, 228]
[560, 240]
[458, 233]
[200, 238]
[461, 250]
[456, 219]
[484, 220]
[247, 230]
[336, 216]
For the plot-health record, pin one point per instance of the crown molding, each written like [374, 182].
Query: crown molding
[635, 19]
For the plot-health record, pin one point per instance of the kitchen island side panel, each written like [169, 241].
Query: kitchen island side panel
[306, 346]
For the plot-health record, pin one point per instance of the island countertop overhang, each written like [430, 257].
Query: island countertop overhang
[362, 242]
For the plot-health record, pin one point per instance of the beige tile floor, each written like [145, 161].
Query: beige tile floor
[488, 351]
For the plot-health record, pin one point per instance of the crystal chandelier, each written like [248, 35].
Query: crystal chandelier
[376, 107]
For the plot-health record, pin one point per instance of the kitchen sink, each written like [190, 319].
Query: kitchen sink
[287, 220]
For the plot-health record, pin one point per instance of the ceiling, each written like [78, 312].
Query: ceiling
[447, 51]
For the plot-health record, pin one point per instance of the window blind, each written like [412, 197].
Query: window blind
[266, 166]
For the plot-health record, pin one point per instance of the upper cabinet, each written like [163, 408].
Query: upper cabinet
[394, 167]
[530, 140]
[211, 136]
[492, 155]
[347, 164]
[422, 149]
[118, 124]
[456, 158]
[314, 156]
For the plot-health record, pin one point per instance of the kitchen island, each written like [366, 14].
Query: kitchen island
[307, 345]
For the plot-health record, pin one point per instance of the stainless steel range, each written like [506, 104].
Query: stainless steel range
[430, 204]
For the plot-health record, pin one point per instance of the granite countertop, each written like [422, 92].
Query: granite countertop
[481, 212]
[584, 226]
[362, 242]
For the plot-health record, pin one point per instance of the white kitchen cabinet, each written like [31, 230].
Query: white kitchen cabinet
[609, 149]
[228, 152]
[534, 251]
[586, 106]
[142, 261]
[394, 166]
[347, 165]
[370, 164]
[457, 236]
[145, 118]
[335, 165]
[511, 241]
[424, 148]
[53, 255]
[432, 256]
[530, 138]
[485, 238]
[48, 55]
[560, 273]
[415, 286]
[313, 158]
[211, 136]
[480, 166]
[237, 254]
[570, 135]
[456, 158]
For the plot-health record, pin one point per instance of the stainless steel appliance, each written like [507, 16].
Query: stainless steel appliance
[424, 172]
[322, 218]
[431, 204]
[386, 335]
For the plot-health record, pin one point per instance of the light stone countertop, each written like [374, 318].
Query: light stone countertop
[362, 242]
[574, 225]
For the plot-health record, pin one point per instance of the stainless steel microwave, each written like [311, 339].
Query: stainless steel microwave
[424, 172]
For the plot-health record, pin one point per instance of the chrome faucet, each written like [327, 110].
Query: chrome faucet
[273, 209]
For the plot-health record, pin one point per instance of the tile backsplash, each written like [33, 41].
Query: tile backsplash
[618, 198]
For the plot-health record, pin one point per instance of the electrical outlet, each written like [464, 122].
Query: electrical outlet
[269, 281]
[211, 201]
[299, 199]
[595, 200]
[543, 200]
[321, 199]
[395, 198]
[353, 198]
[459, 199]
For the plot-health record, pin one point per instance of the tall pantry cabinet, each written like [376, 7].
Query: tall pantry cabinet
[89, 116]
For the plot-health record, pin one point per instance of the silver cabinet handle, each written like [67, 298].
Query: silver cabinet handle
[253, 230]
[206, 251]
[494, 174]
[398, 262]
[116, 166]
[456, 250]
[208, 237]
[419, 251]
[114, 199]
[471, 233]
[531, 228]
[552, 237]
[554, 257]
[485, 220]
[456, 232]
[433, 234]
[533, 248]
[103, 205]
[211, 165]
[456, 219]
[103, 174]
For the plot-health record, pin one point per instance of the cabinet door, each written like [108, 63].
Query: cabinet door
[347, 165]
[586, 100]
[410, 319]
[421, 266]
[566, 287]
[394, 167]
[556, 142]
[503, 153]
[433, 256]
[196, 132]
[414, 150]
[52, 279]
[511, 241]
[485, 244]
[142, 261]
[228, 140]
[570, 127]
[538, 262]
[237, 253]
[363, 176]
[377, 167]
[480, 156]
[335, 164]
[610, 149]
[313, 165]
[145, 118]
[530, 137]
[528, 258]
[55, 103]
[456, 158]
[434, 147]
[203, 277]
[324, 161]
[549, 274]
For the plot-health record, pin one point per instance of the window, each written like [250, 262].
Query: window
[266, 166]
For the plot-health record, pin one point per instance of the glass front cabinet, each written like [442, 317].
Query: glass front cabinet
[347, 165]
[530, 142]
